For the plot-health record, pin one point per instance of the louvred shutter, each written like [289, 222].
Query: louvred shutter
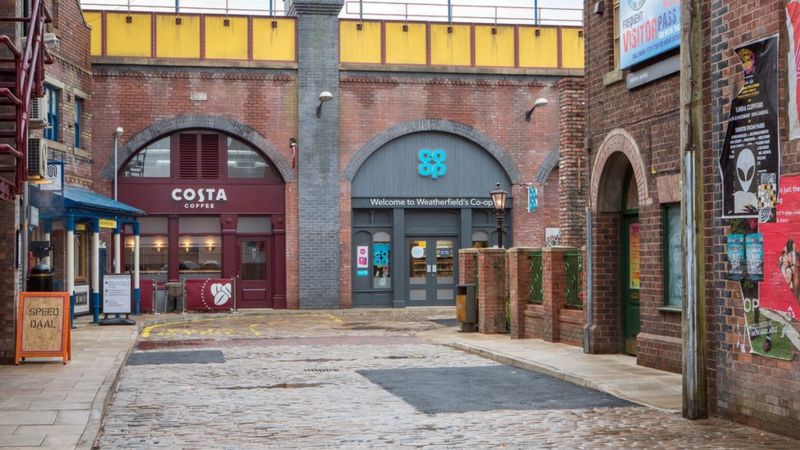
[209, 156]
[188, 157]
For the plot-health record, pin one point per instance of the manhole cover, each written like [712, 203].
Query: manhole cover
[176, 357]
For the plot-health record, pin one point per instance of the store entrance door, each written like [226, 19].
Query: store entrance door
[432, 271]
[252, 285]
[630, 283]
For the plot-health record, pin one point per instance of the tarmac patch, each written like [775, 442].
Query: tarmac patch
[176, 357]
[486, 388]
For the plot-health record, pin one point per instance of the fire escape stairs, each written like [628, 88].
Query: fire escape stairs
[21, 82]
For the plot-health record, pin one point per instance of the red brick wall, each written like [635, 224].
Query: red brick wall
[8, 282]
[752, 389]
[491, 292]
[573, 167]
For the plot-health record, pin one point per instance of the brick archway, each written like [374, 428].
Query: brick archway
[618, 141]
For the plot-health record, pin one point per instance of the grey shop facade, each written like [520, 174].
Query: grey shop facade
[416, 200]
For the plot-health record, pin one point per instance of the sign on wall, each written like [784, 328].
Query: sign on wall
[54, 176]
[117, 294]
[43, 330]
[432, 163]
[647, 28]
[533, 199]
[750, 159]
[362, 257]
[633, 257]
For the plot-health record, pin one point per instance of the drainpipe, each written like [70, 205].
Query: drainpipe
[137, 302]
[69, 224]
[587, 307]
[95, 249]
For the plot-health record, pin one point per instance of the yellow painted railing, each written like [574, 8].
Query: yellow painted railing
[253, 38]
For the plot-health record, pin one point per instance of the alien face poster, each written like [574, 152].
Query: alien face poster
[750, 160]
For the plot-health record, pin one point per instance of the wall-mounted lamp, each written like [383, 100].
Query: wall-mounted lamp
[293, 146]
[324, 97]
[539, 102]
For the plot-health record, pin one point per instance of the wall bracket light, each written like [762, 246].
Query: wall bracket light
[324, 97]
[539, 102]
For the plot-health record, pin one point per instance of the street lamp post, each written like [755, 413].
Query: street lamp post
[499, 200]
[117, 133]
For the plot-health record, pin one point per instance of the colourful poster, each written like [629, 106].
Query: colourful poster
[765, 335]
[634, 256]
[736, 257]
[362, 257]
[754, 250]
[648, 28]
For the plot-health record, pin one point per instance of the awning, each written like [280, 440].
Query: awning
[75, 197]
[80, 203]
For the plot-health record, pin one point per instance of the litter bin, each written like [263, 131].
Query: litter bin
[41, 279]
[467, 307]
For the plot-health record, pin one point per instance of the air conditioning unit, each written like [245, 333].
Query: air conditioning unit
[37, 160]
[38, 113]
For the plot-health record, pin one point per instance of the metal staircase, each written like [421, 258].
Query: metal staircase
[21, 80]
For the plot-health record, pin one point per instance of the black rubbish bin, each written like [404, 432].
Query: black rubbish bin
[41, 279]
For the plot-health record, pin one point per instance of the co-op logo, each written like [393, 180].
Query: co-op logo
[202, 198]
[431, 163]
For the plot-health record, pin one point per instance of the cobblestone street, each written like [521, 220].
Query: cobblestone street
[304, 381]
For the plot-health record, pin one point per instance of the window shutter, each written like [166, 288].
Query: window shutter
[187, 153]
[209, 158]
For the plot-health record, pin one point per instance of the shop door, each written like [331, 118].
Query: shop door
[432, 269]
[253, 287]
[630, 283]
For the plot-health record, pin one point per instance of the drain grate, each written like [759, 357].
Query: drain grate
[318, 370]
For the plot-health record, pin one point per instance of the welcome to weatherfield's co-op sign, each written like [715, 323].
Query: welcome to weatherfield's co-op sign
[647, 28]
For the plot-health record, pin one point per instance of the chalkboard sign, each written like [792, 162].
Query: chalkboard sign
[43, 326]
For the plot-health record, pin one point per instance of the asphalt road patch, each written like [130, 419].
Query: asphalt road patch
[486, 388]
[176, 357]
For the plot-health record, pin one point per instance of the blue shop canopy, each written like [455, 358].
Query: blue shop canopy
[80, 203]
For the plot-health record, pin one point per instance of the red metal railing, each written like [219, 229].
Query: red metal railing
[28, 81]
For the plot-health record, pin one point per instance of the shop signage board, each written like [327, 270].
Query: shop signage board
[209, 294]
[117, 294]
[432, 163]
[108, 223]
[426, 202]
[647, 28]
[653, 72]
[43, 326]
[54, 176]
[750, 160]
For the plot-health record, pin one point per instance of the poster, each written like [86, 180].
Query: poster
[117, 294]
[793, 28]
[750, 160]
[552, 236]
[362, 257]
[736, 257]
[634, 256]
[533, 199]
[762, 334]
[380, 262]
[647, 28]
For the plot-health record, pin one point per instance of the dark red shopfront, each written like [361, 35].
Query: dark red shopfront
[215, 209]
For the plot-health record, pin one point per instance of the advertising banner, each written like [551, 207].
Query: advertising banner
[117, 294]
[750, 160]
[647, 28]
[793, 28]
[209, 294]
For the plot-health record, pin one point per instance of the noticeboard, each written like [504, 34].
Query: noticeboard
[43, 326]
[117, 294]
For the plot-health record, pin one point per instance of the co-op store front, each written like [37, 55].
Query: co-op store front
[417, 200]
[215, 210]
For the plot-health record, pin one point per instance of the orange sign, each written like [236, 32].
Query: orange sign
[634, 256]
[43, 326]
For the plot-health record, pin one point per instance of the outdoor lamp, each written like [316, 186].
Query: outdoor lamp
[117, 133]
[324, 97]
[539, 102]
[499, 201]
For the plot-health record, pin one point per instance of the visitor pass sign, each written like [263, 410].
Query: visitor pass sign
[647, 28]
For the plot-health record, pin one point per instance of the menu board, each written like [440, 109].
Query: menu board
[43, 330]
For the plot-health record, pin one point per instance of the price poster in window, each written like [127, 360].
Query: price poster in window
[362, 257]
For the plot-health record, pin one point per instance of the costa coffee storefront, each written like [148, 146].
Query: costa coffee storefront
[215, 209]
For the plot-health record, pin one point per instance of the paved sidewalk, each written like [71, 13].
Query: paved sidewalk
[616, 374]
[48, 404]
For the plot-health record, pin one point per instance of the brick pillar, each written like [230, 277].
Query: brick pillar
[606, 327]
[554, 282]
[318, 151]
[519, 279]
[9, 280]
[466, 265]
[573, 170]
[491, 290]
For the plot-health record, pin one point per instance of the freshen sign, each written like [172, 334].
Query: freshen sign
[647, 28]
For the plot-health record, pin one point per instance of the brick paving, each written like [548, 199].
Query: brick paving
[307, 393]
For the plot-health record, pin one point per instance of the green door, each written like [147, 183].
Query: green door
[630, 282]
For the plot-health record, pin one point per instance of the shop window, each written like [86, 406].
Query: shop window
[254, 225]
[199, 253]
[76, 123]
[81, 256]
[153, 225]
[244, 162]
[153, 253]
[53, 96]
[673, 257]
[480, 239]
[152, 161]
[199, 225]
[254, 260]
[381, 260]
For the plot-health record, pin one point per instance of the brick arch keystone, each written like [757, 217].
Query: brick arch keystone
[445, 126]
[216, 123]
[619, 140]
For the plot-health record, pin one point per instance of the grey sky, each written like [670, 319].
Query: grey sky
[515, 11]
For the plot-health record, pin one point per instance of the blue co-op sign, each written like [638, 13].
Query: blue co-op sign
[647, 28]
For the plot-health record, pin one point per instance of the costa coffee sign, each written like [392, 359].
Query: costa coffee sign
[199, 198]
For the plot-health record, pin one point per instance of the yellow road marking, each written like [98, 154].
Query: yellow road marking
[253, 329]
[335, 319]
[148, 330]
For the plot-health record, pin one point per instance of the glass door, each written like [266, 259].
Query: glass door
[252, 285]
[432, 271]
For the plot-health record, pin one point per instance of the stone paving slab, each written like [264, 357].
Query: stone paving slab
[617, 375]
[48, 404]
